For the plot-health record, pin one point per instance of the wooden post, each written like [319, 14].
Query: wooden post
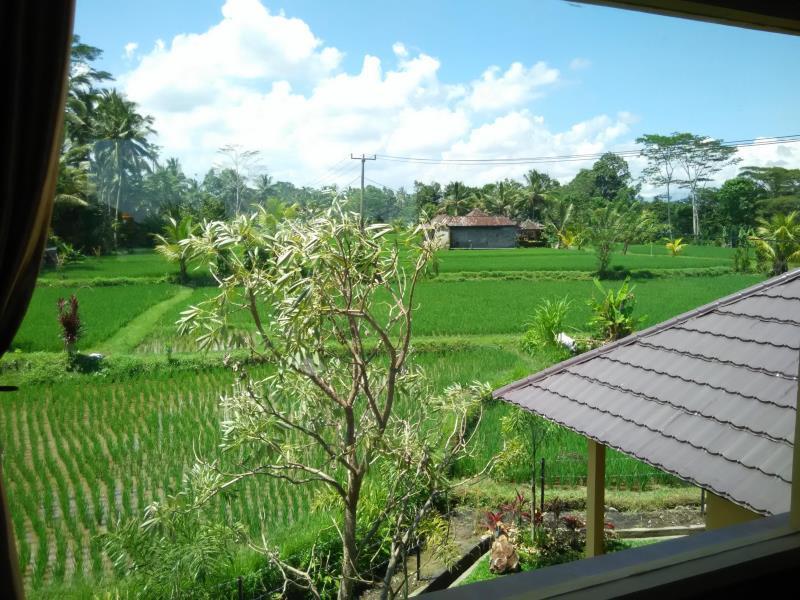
[595, 499]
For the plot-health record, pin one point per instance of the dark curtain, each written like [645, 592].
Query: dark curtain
[35, 39]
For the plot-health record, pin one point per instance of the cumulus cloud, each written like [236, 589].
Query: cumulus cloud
[517, 86]
[249, 46]
[267, 82]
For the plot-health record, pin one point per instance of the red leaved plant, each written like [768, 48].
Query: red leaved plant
[70, 322]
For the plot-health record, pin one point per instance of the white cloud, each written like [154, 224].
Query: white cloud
[265, 81]
[400, 50]
[130, 50]
[579, 63]
[517, 86]
[249, 46]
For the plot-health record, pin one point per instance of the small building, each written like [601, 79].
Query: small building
[531, 233]
[475, 230]
[709, 396]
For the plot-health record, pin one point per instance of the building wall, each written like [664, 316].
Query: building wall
[721, 512]
[483, 237]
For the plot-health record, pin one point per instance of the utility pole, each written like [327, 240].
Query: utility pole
[363, 158]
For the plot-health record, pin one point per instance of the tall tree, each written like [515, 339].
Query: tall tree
[699, 158]
[458, 199]
[737, 201]
[241, 164]
[122, 150]
[661, 152]
[502, 197]
[611, 176]
[774, 181]
[165, 191]
[540, 189]
[427, 197]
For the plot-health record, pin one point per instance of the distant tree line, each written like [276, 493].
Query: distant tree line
[116, 191]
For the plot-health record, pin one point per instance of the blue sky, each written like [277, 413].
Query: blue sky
[641, 73]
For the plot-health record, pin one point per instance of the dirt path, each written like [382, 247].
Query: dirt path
[134, 333]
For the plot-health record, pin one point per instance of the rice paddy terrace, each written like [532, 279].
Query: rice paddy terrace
[82, 451]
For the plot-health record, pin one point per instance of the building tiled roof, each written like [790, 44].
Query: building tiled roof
[529, 224]
[709, 396]
[474, 218]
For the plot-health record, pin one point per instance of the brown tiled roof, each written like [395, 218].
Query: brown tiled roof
[474, 218]
[709, 396]
[528, 224]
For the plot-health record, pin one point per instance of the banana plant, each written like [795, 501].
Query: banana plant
[676, 246]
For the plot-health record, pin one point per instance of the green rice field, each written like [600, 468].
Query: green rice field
[86, 451]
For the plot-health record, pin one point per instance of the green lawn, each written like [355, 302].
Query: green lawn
[103, 310]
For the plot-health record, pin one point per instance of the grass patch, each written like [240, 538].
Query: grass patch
[551, 259]
[143, 263]
[488, 494]
[103, 311]
[487, 307]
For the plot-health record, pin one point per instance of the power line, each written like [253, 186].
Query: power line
[331, 172]
[785, 139]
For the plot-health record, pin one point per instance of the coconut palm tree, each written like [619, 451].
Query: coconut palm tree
[122, 149]
[540, 189]
[458, 199]
[558, 218]
[502, 197]
[778, 240]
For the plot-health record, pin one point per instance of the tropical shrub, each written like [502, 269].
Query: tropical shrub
[168, 243]
[547, 323]
[675, 246]
[613, 312]
[777, 242]
[605, 228]
[70, 323]
[743, 254]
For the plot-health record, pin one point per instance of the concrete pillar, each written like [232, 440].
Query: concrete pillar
[595, 499]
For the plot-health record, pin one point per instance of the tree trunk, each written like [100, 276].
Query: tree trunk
[669, 218]
[347, 587]
[695, 217]
[116, 210]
